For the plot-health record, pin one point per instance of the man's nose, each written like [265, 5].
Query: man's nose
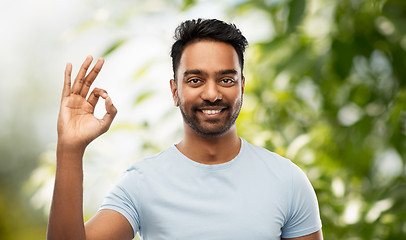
[211, 92]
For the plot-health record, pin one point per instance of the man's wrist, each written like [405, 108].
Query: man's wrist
[69, 150]
[67, 145]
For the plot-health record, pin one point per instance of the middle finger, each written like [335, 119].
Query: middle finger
[77, 85]
[91, 77]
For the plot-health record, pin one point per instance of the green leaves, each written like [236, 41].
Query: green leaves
[296, 13]
[347, 98]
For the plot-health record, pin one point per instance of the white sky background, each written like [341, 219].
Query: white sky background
[39, 37]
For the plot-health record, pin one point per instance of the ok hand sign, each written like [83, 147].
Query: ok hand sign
[77, 125]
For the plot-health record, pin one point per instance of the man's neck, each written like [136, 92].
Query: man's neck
[210, 149]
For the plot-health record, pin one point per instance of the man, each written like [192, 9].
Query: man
[211, 185]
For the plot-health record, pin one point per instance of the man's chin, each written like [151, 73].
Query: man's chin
[211, 132]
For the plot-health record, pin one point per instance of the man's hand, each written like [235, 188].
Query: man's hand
[77, 125]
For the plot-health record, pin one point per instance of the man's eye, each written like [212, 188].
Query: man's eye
[227, 81]
[194, 80]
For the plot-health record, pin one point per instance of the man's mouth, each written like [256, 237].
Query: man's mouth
[211, 111]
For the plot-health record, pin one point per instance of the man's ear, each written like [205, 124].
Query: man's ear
[243, 84]
[174, 90]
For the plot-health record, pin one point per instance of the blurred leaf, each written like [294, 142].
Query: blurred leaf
[143, 70]
[113, 47]
[296, 12]
[186, 4]
[143, 97]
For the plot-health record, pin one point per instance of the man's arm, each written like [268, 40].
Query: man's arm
[107, 225]
[77, 127]
[314, 236]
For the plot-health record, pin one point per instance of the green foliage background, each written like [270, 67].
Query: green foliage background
[325, 89]
[356, 68]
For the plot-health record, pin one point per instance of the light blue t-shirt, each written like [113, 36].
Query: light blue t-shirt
[257, 195]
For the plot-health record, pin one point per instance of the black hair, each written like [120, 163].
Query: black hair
[195, 30]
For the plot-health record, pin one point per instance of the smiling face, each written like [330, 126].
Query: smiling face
[209, 87]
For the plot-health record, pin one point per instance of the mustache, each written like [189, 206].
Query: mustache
[210, 104]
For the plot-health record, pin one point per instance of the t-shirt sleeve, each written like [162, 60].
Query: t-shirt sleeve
[303, 216]
[122, 201]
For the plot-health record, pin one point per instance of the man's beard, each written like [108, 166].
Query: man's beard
[195, 123]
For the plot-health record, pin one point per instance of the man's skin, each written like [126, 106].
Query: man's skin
[209, 72]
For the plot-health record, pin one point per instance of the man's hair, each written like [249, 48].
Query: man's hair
[192, 31]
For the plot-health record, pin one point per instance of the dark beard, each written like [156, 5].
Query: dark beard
[194, 122]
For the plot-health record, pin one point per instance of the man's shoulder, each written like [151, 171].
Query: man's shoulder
[157, 159]
[264, 153]
[269, 158]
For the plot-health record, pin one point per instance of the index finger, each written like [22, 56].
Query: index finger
[67, 81]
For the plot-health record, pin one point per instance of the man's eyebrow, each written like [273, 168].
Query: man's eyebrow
[193, 72]
[218, 73]
[226, 72]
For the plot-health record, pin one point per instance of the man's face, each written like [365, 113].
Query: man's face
[209, 87]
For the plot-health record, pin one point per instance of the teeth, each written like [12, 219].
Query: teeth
[211, 112]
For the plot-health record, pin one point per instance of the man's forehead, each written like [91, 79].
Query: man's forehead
[207, 46]
[209, 56]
